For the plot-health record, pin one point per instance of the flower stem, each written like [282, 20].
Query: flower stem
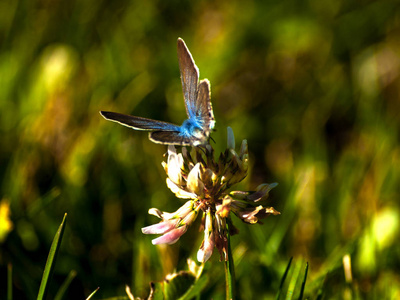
[229, 270]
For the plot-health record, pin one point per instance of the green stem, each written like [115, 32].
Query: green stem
[229, 270]
[9, 282]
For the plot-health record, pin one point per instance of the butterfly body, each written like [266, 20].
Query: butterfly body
[196, 129]
[189, 128]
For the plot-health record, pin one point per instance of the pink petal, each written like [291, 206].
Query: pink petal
[206, 249]
[160, 228]
[170, 237]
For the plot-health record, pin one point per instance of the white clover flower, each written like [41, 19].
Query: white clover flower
[199, 177]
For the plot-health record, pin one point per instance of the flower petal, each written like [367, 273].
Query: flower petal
[156, 212]
[189, 218]
[179, 192]
[160, 228]
[207, 247]
[262, 192]
[170, 237]
[224, 209]
[252, 216]
[175, 165]
[194, 184]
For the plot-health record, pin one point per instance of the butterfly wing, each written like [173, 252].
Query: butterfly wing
[189, 78]
[204, 111]
[173, 138]
[197, 95]
[194, 131]
[139, 123]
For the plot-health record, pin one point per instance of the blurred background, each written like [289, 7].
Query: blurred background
[313, 86]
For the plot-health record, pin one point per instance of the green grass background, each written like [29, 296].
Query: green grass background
[314, 86]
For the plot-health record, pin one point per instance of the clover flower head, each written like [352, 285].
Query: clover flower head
[205, 181]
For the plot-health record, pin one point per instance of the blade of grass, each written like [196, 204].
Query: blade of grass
[48, 270]
[303, 284]
[195, 289]
[48, 198]
[293, 282]
[65, 285]
[283, 279]
[91, 295]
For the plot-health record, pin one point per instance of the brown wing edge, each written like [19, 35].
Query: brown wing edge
[173, 138]
[204, 98]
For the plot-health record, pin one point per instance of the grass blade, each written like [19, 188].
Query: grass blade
[65, 285]
[303, 284]
[48, 270]
[283, 279]
[195, 290]
[91, 295]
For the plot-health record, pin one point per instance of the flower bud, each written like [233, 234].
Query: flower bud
[209, 178]
[244, 150]
[230, 139]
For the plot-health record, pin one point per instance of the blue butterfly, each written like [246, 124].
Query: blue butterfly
[196, 129]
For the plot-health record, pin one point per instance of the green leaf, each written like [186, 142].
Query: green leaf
[51, 259]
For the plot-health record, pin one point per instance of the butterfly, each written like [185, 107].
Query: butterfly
[196, 129]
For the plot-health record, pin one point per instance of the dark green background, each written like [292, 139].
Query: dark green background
[314, 86]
